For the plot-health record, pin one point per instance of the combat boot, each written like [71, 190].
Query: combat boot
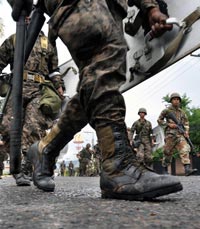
[21, 179]
[122, 177]
[43, 156]
[189, 171]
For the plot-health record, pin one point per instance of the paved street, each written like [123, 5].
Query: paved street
[76, 203]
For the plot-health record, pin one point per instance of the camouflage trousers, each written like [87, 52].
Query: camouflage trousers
[173, 143]
[98, 47]
[35, 123]
[144, 152]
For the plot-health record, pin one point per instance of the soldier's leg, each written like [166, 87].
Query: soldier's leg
[102, 72]
[148, 154]
[44, 153]
[35, 126]
[184, 150]
[169, 147]
[140, 152]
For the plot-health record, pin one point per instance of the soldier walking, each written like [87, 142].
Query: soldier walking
[143, 140]
[92, 30]
[41, 65]
[174, 139]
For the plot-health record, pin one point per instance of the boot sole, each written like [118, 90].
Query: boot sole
[45, 189]
[23, 184]
[144, 196]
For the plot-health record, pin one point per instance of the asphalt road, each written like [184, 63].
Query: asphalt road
[77, 203]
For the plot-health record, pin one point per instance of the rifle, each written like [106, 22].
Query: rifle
[181, 129]
[23, 47]
[5, 78]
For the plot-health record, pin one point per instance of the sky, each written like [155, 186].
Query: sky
[182, 77]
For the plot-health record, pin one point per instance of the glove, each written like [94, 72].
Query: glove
[18, 6]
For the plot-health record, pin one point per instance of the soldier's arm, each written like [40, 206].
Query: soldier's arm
[152, 13]
[7, 53]
[133, 129]
[185, 122]
[162, 119]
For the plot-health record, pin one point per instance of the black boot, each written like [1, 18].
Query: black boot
[23, 178]
[43, 156]
[189, 171]
[122, 177]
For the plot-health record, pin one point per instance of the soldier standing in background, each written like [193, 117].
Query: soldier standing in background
[143, 141]
[41, 65]
[173, 138]
[62, 168]
[84, 159]
[71, 168]
[92, 30]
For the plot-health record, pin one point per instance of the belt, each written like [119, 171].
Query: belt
[33, 77]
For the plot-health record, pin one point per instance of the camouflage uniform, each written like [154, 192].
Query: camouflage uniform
[173, 138]
[92, 31]
[143, 130]
[98, 159]
[35, 123]
[85, 157]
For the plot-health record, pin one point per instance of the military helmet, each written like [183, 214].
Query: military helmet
[175, 95]
[142, 110]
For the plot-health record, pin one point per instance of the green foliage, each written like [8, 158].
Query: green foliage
[158, 154]
[194, 119]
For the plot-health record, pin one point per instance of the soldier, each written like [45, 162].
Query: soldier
[143, 137]
[98, 47]
[62, 168]
[173, 138]
[42, 65]
[84, 159]
[71, 168]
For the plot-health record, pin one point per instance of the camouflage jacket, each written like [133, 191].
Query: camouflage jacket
[42, 60]
[163, 120]
[58, 10]
[143, 129]
[85, 154]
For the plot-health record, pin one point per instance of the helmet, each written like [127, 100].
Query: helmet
[175, 95]
[142, 110]
[88, 145]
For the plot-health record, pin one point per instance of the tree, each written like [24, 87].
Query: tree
[1, 26]
[194, 119]
[185, 101]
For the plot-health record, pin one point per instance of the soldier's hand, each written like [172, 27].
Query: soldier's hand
[186, 134]
[20, 5]
[157, 22]
[172, 125]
